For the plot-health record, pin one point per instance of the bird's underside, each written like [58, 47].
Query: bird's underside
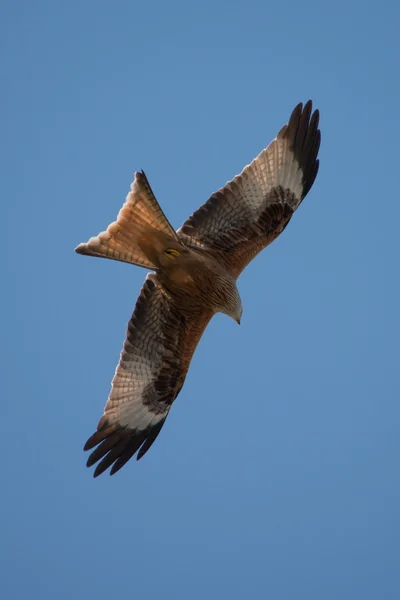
[194, 276]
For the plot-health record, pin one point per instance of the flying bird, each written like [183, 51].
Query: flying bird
[193, 277]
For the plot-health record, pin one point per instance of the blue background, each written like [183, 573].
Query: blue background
[277, 473]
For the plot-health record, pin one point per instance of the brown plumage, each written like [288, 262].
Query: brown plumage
[195, 272]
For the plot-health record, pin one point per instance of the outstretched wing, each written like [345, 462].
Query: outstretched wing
[154, 362]
[251, 211]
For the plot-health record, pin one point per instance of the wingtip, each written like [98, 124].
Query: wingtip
[301, 109]
[91, 442]
[114, 469]
[90, 462]
[304, 138]
[298, 109]
[308, 105]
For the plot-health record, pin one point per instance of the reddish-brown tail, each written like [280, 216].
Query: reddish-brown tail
[140, 234]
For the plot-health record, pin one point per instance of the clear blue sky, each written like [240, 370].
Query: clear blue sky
[277, 474]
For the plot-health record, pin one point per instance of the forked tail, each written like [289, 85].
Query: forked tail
[140, 234]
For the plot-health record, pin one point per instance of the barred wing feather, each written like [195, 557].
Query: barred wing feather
[251, 211]
[154, 362]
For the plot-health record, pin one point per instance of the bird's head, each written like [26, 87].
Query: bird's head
[233, 304]
[236, 314]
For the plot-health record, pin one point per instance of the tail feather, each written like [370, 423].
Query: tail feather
[140, 232]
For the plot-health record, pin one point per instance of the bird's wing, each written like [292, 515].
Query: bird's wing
[154, 362]
[251, 211]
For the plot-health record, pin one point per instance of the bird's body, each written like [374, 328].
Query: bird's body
[196, 281]
[194, 276]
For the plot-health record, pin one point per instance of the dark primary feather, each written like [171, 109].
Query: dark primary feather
[304, 138]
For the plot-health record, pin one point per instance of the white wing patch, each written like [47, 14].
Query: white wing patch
[132, 378]
[275, 166]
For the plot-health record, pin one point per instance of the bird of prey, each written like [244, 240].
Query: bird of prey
[193, 277]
